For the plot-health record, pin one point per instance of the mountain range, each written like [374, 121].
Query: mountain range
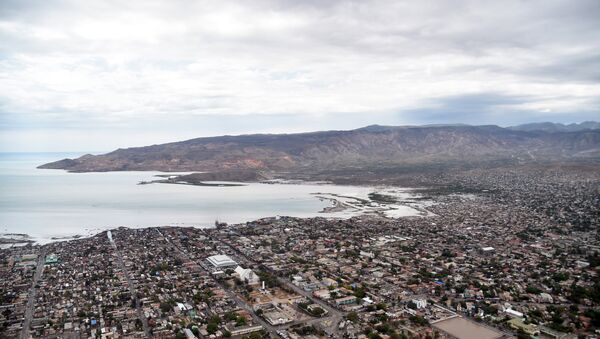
[556, 127]
[364, 148]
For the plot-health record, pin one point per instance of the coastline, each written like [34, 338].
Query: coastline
[66, 206]
[405, 203]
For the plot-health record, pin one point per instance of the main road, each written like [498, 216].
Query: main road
[132, 289]
[39, 270]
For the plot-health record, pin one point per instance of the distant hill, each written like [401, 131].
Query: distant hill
[557, 127]
[367, 147]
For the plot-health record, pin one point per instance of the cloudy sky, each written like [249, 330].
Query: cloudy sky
[97, 75]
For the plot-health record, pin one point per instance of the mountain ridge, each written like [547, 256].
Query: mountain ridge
[363, 147]
[557, 127]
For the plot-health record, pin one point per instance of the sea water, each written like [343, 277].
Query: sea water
[45, 203]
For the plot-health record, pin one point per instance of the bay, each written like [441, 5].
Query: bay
[47, 203]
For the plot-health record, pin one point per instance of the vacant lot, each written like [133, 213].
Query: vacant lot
[466, 329]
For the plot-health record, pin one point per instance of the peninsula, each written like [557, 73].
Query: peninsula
[371, 153]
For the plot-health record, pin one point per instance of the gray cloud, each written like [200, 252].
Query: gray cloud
[493, 108]
[292, 65]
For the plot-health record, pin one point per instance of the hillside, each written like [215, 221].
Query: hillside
[372, 146]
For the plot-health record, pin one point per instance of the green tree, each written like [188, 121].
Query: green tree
[211, 328]
[240, 321]
[352, 316]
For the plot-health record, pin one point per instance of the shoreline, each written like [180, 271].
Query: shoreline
[342, 207]
[202, 184]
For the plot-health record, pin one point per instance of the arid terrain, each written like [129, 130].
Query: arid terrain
[383, 151]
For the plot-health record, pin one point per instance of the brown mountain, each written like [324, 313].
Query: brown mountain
[366, 147]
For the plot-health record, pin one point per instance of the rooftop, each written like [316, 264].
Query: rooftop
[221, 260]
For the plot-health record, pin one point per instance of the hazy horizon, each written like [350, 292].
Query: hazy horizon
[97, 151]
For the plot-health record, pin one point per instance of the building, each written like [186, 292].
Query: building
[189, 334]
[276, 317]
[322, 294]
[518, 324]
[29, 257]
[546, 332]
[222, 262]
[487, 250]
[545, 298]
[346, 300]
[247, 275]
[237, 331]
[51, 259]
[420, 303]
[26, 260]
[513, 314]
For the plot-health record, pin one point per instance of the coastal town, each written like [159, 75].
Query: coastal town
[498, 255]
[336, 169]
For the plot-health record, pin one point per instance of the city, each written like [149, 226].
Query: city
[504, 256]
[284, 169]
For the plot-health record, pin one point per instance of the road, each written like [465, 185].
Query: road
[239, 301]
[39, 270]
[132, 289]
[523, 303]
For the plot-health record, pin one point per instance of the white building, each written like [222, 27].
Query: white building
[488, 250]
[247, 275]
[513, 314]
[189, 334]
[420, 303]
[546, 298]
[237, 331]
[222, 262]
[276, 317]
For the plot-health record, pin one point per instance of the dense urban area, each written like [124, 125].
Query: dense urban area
[502, 254]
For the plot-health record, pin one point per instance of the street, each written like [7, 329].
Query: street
[39, 270]
[132, 289]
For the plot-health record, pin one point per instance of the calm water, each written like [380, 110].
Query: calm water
[45, 203]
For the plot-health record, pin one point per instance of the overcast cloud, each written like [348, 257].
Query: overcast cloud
[97, 75]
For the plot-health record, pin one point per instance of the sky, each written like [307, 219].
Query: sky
[99, 75]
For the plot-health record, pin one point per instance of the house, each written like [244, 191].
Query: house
[345, 300]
